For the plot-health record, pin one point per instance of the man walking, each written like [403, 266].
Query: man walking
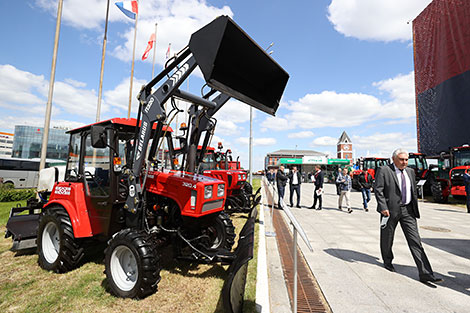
[397, 200]
[345, 186]
[295, 179]
[365, 182]
[317, 194]
[281, 181]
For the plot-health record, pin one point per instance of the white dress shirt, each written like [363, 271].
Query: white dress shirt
[408, 183]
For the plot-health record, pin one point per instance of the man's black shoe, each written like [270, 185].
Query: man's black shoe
[389, 267]
[431, 280]
[312, 207]
[297, 206]
[319, 208]
[291, 205]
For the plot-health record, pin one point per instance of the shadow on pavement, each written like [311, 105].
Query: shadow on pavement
[456, 281]
[459, 247]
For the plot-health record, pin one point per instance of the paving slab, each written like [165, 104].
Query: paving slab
[347, 264]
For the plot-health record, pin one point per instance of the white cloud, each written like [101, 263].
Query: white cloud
[332, 109]
[375, 20]
[177, 20]
[75, 83]
[277, 123]
[383, 144]
[118, 98]
[257, 141]
[325, 141]
[302, 134]
[402, 93]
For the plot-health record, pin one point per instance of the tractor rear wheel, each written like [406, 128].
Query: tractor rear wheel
[58, 249]
[437, 194]
[220, 233]
[132, 265]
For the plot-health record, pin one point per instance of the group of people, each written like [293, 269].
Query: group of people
[343, 186]
[397, 202]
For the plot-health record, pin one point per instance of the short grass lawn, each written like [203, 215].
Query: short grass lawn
[25, 287]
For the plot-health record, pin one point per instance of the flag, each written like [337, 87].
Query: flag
[149, 46]
[168, 51]
[130, 8]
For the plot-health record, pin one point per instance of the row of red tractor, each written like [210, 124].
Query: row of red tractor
[440, 180]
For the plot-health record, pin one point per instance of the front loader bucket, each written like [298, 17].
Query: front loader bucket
[234, 286]
[234, 64]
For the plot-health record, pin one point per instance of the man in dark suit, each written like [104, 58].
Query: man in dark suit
[397, 200]
[317, 194]
[295, 179]
[281, 181]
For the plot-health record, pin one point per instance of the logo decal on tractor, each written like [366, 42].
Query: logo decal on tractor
[189, 185]
[141, 140]
[149, 105]
[63, 191]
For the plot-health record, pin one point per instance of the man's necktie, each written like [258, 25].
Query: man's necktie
[403, 187]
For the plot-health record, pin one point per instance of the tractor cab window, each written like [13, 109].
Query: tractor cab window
[96, 169]
[73, 158]
[461, 158]
[417, 163]
[368, 164]
[381, 163]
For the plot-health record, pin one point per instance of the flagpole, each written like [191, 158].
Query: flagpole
[132, 67]
[154, 50]
[47, 121]
[100, 90]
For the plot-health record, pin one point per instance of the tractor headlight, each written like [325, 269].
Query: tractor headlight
[239, 176]
[208, 192]
[220, 190]
[193, 198]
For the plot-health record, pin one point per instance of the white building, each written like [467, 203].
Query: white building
[6, 144]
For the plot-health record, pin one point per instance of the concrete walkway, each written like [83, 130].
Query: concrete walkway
[347, 264]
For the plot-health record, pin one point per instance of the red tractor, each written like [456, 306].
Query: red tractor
[449, 180]
[218, 164]
[116, 191]
[417, 161]
[371, 164]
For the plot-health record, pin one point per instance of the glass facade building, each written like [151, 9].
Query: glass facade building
[27, 142]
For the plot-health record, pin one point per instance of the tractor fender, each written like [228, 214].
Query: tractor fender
[79, 218]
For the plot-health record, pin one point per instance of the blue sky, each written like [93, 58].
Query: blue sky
[350, 65]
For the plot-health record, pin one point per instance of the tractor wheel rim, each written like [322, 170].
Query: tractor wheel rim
[215, 236]
[124, 270]
[50, 242]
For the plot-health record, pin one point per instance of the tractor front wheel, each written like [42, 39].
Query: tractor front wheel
[437, 192]
[220, 233]
[58, 249]
[132, 265]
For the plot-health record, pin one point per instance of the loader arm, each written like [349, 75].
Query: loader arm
[231, 63]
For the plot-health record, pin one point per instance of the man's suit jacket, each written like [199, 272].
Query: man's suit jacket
[291, 177]
[281, 178]
[319, 178]
[388, 194]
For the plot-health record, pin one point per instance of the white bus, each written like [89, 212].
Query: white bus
[23, 173]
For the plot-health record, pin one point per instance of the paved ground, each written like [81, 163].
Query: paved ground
[346, 259]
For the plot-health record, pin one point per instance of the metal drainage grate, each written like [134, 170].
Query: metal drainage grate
[309, 295]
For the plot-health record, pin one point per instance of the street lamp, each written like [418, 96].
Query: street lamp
[250, 156]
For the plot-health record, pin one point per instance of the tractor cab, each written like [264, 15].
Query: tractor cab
[371, 164]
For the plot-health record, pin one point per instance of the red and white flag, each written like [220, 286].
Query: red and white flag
[168, 51]
[149, 47]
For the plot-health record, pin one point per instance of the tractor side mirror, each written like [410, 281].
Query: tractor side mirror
[98, 137]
